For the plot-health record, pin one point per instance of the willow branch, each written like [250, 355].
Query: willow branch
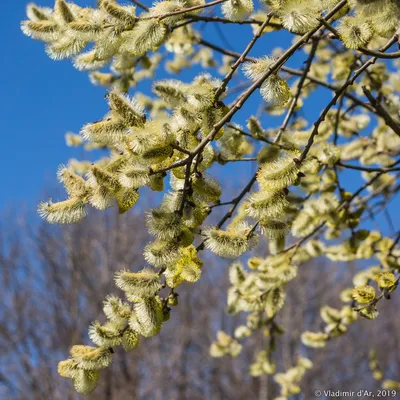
[273, 68]
[196, 18]
[248, 159]
[295, 99]
[140, 5]
[186, 187]
[241, 58]
[237, 200]
[260, 138]
[383, 170]
[379, 54]
[343, 205]
[374, 53]
[338, 93]
[382, 112]
[183, 11]
[289, 70]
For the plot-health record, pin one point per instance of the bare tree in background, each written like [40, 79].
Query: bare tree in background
[324, 147]
[49, 274]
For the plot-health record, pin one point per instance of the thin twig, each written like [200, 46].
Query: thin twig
[242, 57]
[338, 93]
[186, 187]
[182, 11]
[260, 138]
[139, 4]
[343, 205]
[390, 122]
[235, 202]
[176, 146]
[383, 170]
[289, 70]
[296, 97]
[250, 159]
[229, 21]
[374, 53]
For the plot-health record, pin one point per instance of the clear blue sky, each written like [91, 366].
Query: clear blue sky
[43, 99]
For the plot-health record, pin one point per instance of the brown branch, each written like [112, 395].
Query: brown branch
[289, 70]
[182, 11]
[382, 112]
[241, 58]
[196, 18]
[237, 200]
[379, 54]
[201, 18]
[392, 247]
[338, 93]
[343, 205]
[176, 146]
[295, 99]
[374, 53]
[260, 138]
[139, 4]
[249, 159]
[273, 68]
[186, 187]
[383, 170]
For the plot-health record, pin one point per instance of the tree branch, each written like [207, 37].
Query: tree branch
[296, 97]
[382, 112]
[183, 11]
[339, 92]
[241, 58]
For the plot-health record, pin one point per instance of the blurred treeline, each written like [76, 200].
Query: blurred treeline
[53, 282]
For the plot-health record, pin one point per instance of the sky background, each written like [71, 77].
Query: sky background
[43, 99]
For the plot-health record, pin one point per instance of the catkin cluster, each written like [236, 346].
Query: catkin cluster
[173, 139]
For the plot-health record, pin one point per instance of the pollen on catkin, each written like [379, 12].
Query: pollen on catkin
[355, 32]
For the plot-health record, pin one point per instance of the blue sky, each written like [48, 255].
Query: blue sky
[43, 99]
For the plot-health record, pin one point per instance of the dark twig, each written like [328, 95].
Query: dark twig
[338, 93]
[240, 159]
[296, 97]
[260, 138]
[383, 170]
[289, 70]
[343, 205]
[382, 112]
[139, 4]
[374, 53]
[183, 11]
[242, 57]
